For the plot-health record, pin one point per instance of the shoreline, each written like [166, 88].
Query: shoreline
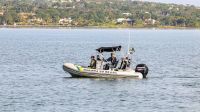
[93, 27]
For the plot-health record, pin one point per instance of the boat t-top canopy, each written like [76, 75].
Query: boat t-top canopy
[109, 49]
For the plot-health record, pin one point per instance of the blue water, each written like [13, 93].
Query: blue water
[32, 79]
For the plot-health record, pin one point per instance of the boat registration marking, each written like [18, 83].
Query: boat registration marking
[99, 71]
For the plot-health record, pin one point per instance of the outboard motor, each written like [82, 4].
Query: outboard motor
[143, 69]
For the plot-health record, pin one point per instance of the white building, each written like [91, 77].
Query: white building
[35, 20]
[124, 20]
[150, 21]
[65, 21]
[120, 20]
[127, 14]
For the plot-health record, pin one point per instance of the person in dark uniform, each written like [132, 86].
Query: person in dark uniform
[125, 63]
[112, 60]
[93, 62]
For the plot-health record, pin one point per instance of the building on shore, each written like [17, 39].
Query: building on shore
[150, 21]
[120, 20]
[65, 21]
[36, 21]
[125, 21]
[127, 14]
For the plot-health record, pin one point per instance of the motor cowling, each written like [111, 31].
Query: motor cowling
[143, 69]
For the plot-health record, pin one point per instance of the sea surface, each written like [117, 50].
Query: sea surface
[32, 78]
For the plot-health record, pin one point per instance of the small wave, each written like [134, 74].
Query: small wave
[187, 77]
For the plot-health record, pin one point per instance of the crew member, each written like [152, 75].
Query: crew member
[100, 61]
[93, 62]
[112, 59]
[125, 63]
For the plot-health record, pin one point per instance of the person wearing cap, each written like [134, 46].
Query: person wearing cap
[93, 62]
[125, 63]
[100, 61]
[112, 59]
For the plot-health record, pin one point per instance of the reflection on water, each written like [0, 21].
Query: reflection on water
[32, 79]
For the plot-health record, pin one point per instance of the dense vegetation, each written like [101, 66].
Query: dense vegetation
[97, 13]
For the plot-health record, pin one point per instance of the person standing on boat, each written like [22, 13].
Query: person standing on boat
[100, 61]
[125, 63]
[93, 62]
[112, 60]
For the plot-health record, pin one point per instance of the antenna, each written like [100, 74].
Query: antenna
[129, 36]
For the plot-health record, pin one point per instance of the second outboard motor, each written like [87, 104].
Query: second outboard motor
[143, 69]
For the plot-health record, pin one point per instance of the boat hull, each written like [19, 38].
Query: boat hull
[78, 71]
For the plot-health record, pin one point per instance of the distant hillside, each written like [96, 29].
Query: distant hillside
[108, 13]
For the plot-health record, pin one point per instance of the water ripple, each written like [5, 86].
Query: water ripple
[32, 79]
